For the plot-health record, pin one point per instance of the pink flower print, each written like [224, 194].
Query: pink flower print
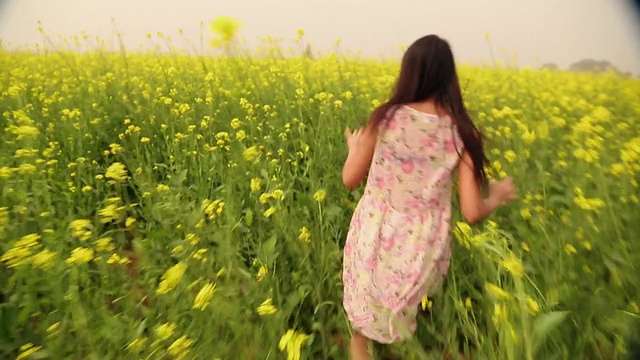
[383, 181]
[348, 248]
[392, 123]
[388, 243]
[370, 263]
[427, 142]
[414, 203]
[394, 280]
[407, 219]
[383, 207]
[386, 154]
[380, 182]
[450, 145]
[408, 166]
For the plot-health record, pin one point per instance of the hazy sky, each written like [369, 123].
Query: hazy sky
[560, 31]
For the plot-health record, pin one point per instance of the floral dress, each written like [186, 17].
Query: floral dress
[399, 242]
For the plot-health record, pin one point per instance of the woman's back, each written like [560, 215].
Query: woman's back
[415, 155]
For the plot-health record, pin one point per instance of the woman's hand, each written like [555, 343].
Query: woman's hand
[353, 138]
[503, 191]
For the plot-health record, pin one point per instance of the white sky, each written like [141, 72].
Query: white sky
[560, 31]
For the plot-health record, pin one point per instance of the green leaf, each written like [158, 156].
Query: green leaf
[248, 217]
[40, 354]
[544, 324]
[141, 327]
[269, 246]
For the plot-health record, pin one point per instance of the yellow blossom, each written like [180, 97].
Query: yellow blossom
[27, 350]
[532, 306]
[171, 278]
[180, 348]
[305, 235]
[80, 255]
[256, 184]
[53, 327]
[262, 272]
[267, 308]
[496, 292]
[251, 154]
[270, 211]
[137, 344]
[44, 259]
[117, 171]
[291, 342]
[320, 195]
[165, 331]
[162, 188]
[513, 265]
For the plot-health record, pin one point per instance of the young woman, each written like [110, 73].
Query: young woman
[399, 243]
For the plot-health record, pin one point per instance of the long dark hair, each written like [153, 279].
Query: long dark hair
[428, 71]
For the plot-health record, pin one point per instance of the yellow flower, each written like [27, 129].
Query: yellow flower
[320, 195]
[137, 344]
[145, 140]
[117, 171]
[267, 308]
[305, 235]
[192, 238]
[110, 212]
[291, 342]
[236, 123]
[251, 154]
[277, 194]
[44, 259]
[426, 303]
[514, 266]
[262, 272]
[80, 255]
[129, 222]
[162, 188]
[500, 315]
[532, 306]
[104, 244]
[256, 184]
[171, 278]
[114, 258]
[270, 211]
[53, 327]
[180, 348]
[496, 292]
[570, 249]
[264, 198]
[177, 249]
[226, 27]
[165, 330]
[27, 350]
[510, 156]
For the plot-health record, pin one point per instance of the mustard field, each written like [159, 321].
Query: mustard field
[167, 206]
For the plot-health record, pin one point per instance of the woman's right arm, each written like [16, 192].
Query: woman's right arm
[473, 206]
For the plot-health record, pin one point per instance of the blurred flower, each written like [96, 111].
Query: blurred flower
[267, 308]
[291, 342]
[225, 27]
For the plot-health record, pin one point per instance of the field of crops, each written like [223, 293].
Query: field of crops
[189, 207]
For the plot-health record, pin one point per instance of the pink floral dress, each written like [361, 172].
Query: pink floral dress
[399, 243]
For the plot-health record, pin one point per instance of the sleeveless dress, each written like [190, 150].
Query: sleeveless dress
[399, 241]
